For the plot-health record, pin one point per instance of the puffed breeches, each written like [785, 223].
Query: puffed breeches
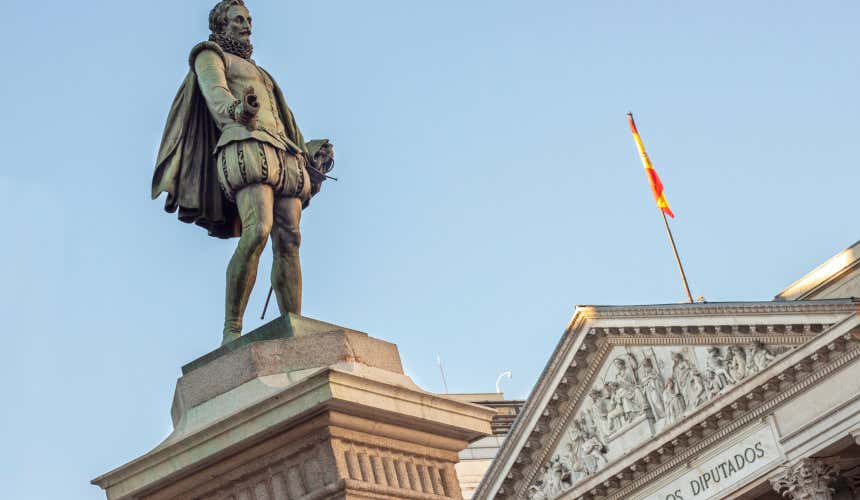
[248, 162]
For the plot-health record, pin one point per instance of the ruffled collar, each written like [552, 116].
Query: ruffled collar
[232, 46]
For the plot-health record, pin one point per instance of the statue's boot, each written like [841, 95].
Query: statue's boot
[241, 275]
[230, 335]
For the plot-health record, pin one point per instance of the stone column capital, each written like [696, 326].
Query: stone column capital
[806, 479]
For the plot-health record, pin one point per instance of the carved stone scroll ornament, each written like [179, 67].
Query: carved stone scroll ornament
[808, 479]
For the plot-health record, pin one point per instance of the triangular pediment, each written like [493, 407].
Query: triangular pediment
[626, 378]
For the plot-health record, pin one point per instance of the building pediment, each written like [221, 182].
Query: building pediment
[626, 383]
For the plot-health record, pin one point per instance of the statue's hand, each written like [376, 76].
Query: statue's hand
[247, 109]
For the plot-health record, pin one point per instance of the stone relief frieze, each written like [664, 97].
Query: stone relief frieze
[638, 393]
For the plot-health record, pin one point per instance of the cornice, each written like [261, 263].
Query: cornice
[827, 273]
[720, 309]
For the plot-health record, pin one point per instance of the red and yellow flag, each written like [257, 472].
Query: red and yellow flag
[653, 178]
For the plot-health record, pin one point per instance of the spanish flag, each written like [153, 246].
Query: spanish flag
[653, 178]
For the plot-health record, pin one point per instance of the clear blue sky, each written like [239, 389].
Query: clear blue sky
[488, 184]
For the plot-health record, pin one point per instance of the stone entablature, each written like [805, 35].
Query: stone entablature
[330, 456]
[586, 355]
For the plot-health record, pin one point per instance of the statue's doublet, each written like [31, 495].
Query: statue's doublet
[240, 73]
[186, 167]
[256, 155]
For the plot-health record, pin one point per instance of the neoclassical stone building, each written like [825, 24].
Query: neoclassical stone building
[753, 400]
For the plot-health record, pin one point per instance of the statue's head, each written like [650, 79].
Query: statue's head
[232, 19]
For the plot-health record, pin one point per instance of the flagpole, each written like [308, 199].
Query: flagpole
[677, 258]
[660, 198]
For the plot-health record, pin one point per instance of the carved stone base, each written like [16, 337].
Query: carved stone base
[260, 422]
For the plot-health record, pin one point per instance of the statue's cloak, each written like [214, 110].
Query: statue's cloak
[185, 168]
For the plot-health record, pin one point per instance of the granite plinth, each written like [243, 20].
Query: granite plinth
[290, 346]
[295, 413]
[284, 327]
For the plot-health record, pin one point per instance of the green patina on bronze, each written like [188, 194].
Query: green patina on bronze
[233, 161]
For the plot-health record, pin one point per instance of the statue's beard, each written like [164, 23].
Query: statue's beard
[233, 45]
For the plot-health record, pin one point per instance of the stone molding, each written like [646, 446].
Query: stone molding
[830, 272]
[330, 459]
[720, 309]
[583, 348]
[396, 415]
[807, 479]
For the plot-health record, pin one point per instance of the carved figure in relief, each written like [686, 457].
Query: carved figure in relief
[576, 435]
[737, 362]
[697, 393]
[713, 385]
[667, 384]
[626, 374]
[760, 357]
[628, 384]
[571, 460]
[596, 396]
[673, 402]
[652, 386]
[556, 477]
[615, 408]
[594, 452]
[583, 454]
[592, 427]
[717, 364]
[625, 404]
[681, 374]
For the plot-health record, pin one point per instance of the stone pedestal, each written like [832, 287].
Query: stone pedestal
[301, 409]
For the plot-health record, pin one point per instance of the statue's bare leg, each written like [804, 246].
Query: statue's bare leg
[286, 268]
[255, 204]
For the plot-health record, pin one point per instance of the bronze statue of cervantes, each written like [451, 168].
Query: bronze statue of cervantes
[232, 160]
